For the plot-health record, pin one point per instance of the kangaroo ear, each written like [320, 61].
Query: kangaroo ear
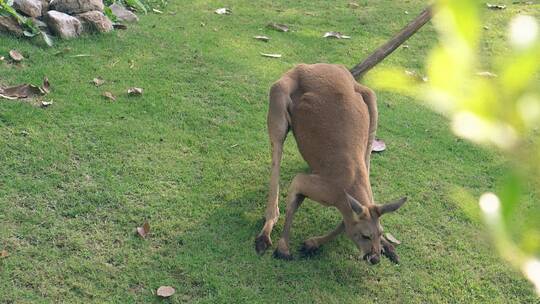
[355, 205]
[391, 207]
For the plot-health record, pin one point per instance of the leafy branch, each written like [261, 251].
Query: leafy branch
[498, 111]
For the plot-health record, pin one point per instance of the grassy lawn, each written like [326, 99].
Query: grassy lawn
[191, 156]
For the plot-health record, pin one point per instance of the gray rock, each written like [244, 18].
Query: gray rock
[63, 25]
[77, 6]
[95, 21]
[123, 14]
[8, 24]
[44, 7]
[30, 8]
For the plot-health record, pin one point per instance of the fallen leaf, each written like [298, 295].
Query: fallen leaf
[406, 12]
[486, 74]
[98, 81]
[378, 145]
[405, 46]
[486, 27]
[135, 91]
[337, 35]
[271, 55]
[223, 11]
[4, 254]
[16, 56]
[495, 6]
[119, 26]
[353, 5]
[165, 291]
[278, 27]
[262, 38]
[109, 95]
[131, 64]
[157, 11]
[416, 75]
[392, 239]
[46, 86]
[2, 58]
[25, 91]
[144, 230]
[81, 55]
[45, 104]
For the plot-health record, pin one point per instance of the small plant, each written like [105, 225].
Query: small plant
[29, 28]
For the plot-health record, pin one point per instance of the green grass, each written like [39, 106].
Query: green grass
[192, 157]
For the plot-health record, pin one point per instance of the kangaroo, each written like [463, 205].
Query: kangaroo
[334, 121]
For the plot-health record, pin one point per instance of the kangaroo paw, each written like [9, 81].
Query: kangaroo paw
[262, 242]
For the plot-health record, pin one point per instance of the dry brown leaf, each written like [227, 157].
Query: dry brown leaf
[135, 91]
[46, 86]
[144, 230]
[119, 26]
[278, 27]
[337, 35]
[378, 145]
[262, 38]
[353, 5]
[495, 6]
[25, 91]
[109, 95]
[223, 11]
[98, 81]
[392, 239]
[165, 291]
[45, 104]
[3, 254]
[16, 56]
[271, 55]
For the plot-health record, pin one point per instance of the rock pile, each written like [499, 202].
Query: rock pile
[66, 18]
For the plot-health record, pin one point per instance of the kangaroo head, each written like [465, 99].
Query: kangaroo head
[365, 229]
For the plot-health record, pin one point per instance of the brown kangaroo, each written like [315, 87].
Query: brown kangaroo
[334, 120]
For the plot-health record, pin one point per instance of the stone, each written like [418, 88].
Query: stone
[44, 7]
[77, 6]
[123, 14]
[32, 8]
[9, 24]
[63, 25]
[95, 21]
